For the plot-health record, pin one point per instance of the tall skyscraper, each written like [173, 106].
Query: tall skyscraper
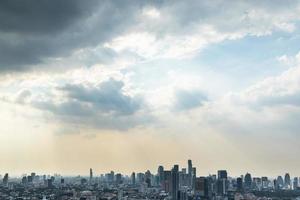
[133, 178]
[33, 176]
[167, 182]
[264, 182]
[276, 185]
[148, 176]
[222, 184]
[280, 182]
[175, 182]
[190, 169]
[248, 181]
[194, 174]
[287, 180]
[118, 178]
[91, 176]
[5, 179]
[160, 173]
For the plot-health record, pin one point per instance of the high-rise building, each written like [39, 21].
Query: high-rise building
[248, 181]
[264, 182]
[118, 178]
[29, 178]
[280, 182]
[256, 183]
[276, 185]
[222, 174]
[239, 184]
[175, 182]
[160, 173]
[287, 180]
[295, 183]
[33, 176]
[194, 174]
[148, 176]
[140, 178]
[190, 169]
[50, 183]
[91, 175]
[222, 183]
[133, 178]
[201, 186]
[111, 177]
[167, 181]
[24, 180]
[5, 179]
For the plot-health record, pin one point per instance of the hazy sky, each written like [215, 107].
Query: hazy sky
[128, 85]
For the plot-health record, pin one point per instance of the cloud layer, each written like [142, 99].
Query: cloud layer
[39, 33]
[100, 106]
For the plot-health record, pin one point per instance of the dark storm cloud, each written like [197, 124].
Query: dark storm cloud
[104, 106]
[35, 30]
[186, 100]
[42, 16]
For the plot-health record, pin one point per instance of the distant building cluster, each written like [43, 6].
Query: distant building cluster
[165, 184]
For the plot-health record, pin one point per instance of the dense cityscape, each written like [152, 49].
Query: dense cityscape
[165, 184]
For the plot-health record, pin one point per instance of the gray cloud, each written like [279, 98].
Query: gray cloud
[42, 16]
[104, 106]
[276, 91]
[106, 97]
[22, 96]
[33, 31]
[186, 100]
[288, 99]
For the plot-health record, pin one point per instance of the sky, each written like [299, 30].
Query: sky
[127, 85]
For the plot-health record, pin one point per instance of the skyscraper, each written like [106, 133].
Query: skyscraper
[133, 178]
[160, 173]
[118, 178]
[222, 185]
[239, 184]
[91, 175]
[280, 182]
[295, 183]
[194, 174]
[248, 181]
[5, 179]
[167, 182]
[190, 169]
[287, 180]
[148, 176]
[264, 182]
[201, 186]
[175, 182]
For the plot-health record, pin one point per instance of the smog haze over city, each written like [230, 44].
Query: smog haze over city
[123, 86]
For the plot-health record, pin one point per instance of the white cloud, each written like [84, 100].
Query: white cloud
[151, 12]
[289, 60]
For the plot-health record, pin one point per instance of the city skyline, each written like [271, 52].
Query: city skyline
[93, 171]
[129, 85]
[175, 183]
